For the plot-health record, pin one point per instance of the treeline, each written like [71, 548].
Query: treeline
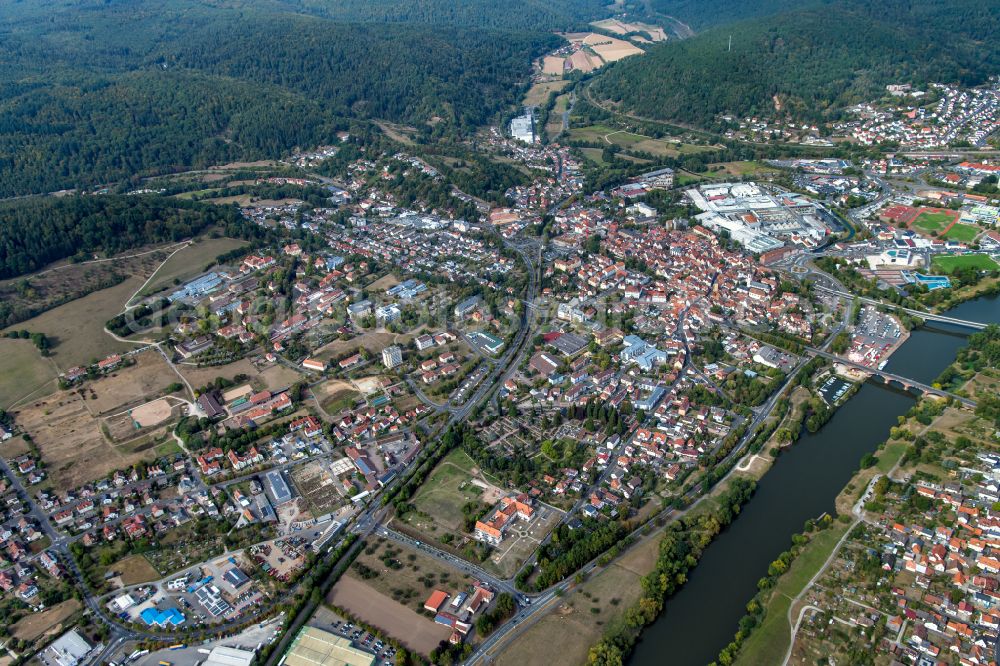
[569, 550]
[682, 544]
[807, 64]
[37, 231]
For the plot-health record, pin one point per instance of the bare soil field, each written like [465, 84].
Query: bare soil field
[22, 371]
[415, 631]
[152, 413]
[34, 626]
[76, 329]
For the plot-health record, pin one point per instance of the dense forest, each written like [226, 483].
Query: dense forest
[812, 62]
[38, 231]
[97, 92]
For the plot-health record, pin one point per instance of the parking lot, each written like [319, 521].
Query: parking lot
[327, 620]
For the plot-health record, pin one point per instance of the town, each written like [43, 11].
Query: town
[398, 422]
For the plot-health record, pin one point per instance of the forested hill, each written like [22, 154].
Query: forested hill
[701, 14]
[41, 230]
[97, 92]
[815, 61]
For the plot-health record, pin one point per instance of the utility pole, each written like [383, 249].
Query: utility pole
[730, 43]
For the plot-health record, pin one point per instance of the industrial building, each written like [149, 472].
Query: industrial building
[760, 221]
[522, 128]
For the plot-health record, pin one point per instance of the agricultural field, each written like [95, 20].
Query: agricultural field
[656, 33]
[417, 632]
[23, 371]
[980, 262]
[76, 329]
[539, 93]
[963, 233]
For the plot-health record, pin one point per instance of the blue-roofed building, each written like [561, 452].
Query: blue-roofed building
[198, 287]
[168, 617]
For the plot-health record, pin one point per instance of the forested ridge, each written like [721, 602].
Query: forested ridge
[38, 231]
[815, 61]
[93, 93]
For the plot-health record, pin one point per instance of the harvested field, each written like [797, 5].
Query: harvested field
[36, 625]
[76, 329]
[22, 371]
[655, 33]
[416, 632]
[553, 65]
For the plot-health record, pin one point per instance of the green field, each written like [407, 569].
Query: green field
[440, 500]
[932, 222]
[963, 233]
[980, 262]
[636, 142]
[769, 642]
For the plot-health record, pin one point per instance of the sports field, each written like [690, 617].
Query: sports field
[934, 221]
[980, 262]
[963, 233]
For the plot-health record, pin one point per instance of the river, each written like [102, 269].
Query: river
[803, 483]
